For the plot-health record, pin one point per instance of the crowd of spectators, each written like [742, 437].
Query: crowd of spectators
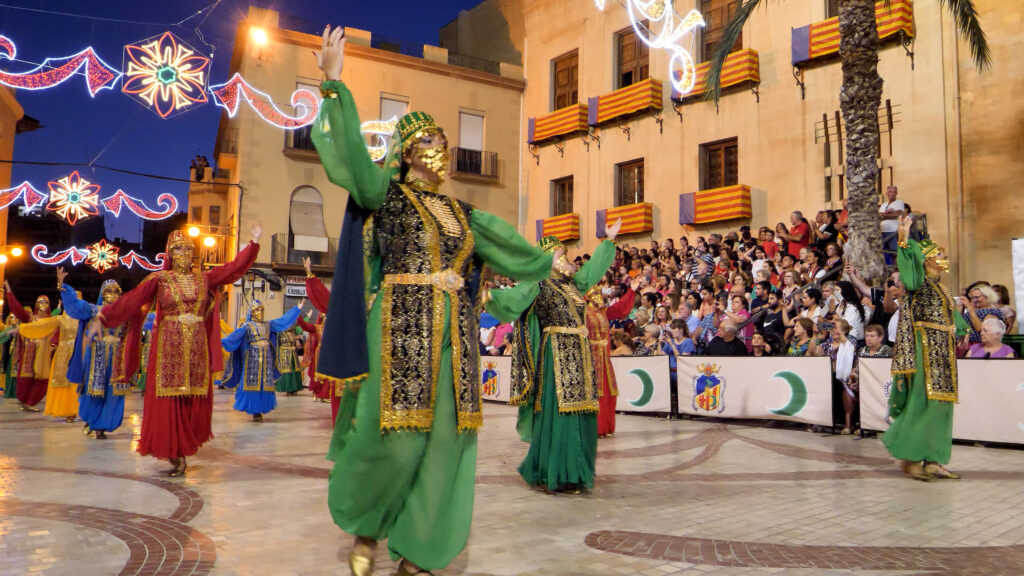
[778, 292]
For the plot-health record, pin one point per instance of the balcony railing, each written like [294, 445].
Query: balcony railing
[474, 163]
[480, 64]
[300, 138]
[283, 252]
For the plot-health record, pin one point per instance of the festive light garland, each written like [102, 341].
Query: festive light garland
[165, 74]
[102, 256]
[665, 30]
[99, 255]
[380, 131]
[28, 193]
[73, 198]
[114, 203]
[230, 94]
[98, 74]
[133, 258]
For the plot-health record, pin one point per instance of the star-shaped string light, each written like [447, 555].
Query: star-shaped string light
[102, 256]
[73, 198]
[165, 74]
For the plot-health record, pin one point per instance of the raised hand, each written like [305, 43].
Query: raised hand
[331, 55]
[612, 231]
[307, 264]
[61, 275]
[257, 231]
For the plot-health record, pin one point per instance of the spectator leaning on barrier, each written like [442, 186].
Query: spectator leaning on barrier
[874, 343]
[991, 345]
[726, 343]
[800, 342]
[622, 344]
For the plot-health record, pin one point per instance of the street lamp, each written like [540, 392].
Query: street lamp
[209, 241]
[193, 231]
[259, 36]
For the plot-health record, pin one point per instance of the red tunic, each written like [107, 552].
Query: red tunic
[185, 344]
[33, 358]
[601, 350]
[319, 296]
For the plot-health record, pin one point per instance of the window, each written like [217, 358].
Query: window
[197, 214]
[629, 182]
[831, 8]
[214, 215]
[566, 80]
[393, 107]
[300, 137]
[719, 164]
[632, 58]
[306, 220]
[717, 16]
[561, 196]
[471, 131]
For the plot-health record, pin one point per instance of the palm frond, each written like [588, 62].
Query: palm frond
[712, 90]
[966, 17]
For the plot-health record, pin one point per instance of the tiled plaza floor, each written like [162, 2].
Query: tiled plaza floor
[673, 497]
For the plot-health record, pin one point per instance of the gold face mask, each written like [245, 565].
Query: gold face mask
[110, 296]
[181, 260]
[257, 314]
[434, 158]
[595, 299]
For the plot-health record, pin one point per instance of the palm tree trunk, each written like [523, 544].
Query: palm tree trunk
[859, 99]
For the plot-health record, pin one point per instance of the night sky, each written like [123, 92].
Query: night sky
[114, 130]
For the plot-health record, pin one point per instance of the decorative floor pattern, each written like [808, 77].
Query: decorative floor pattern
[673, 497]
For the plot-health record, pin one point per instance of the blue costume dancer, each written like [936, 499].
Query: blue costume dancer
[253, 369]
[97, 367]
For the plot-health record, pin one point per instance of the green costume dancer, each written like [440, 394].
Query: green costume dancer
[9, 340]
[405, 438]
[924, 364]
[557, 405]
[290, 381]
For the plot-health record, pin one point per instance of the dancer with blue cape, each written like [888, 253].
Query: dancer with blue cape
[97, 366]
[400, 341]
[253, 366]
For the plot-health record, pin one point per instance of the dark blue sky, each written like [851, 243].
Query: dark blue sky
[113, 129]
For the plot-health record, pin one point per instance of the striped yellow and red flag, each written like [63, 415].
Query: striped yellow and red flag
[565, 227]
[719, 204]
[643, 95]
[558, 123]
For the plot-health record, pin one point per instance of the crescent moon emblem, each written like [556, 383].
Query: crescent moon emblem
[648, 384]
[798, 394]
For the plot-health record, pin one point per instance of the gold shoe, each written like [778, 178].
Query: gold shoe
[938, 471]
[359, 564]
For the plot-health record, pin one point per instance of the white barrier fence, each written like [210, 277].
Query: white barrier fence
[991, 406]
[774, 388]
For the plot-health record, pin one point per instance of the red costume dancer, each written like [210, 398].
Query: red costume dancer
[601, 350]
[178, 401]
[318, 296]
[34, 356]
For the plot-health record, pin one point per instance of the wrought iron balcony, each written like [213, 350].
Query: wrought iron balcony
[474, 163]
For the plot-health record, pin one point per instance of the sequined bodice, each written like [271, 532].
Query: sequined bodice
[403, 228]
[560, 304]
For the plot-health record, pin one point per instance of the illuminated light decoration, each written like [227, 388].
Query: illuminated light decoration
[165, 74]
[73, 198]
[133, 258]
[39, 252]
[114, 203]
[98, 74]
[229, 95]
[665, 30]
[102, 256]
[29, 195]
[379, 131]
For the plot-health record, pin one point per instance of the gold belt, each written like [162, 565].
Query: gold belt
[448, 280]
[185, 318]
[579, 330]
[110, 339]
[935, 326]
[601, 342]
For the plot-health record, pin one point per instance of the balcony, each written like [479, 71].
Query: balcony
[636, 218]
[565, 227]
[644, 95]
[477, 165]
[298, 144]
[284, 257]
[741, 68]
[568, 120]
[895, 20]
[715, 205]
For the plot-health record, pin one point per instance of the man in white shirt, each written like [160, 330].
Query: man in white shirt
[889, 213]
